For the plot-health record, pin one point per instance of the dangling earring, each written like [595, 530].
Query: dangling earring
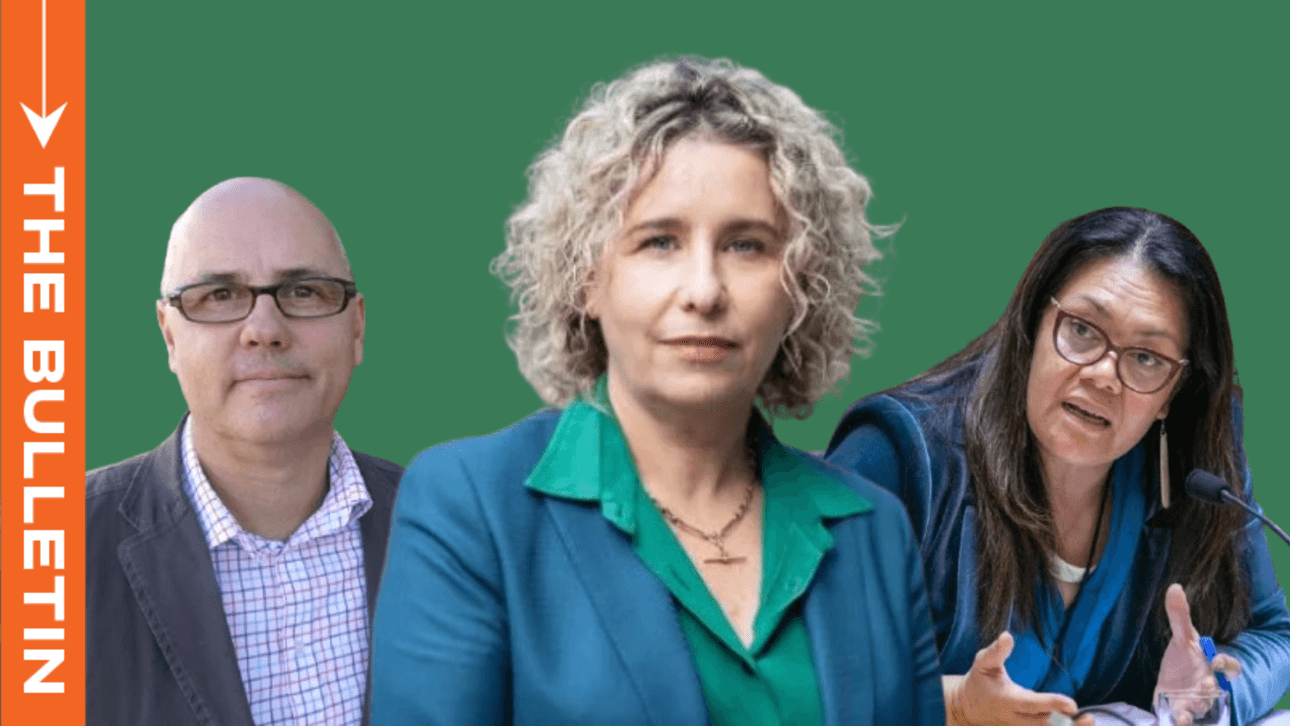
[1164, 466]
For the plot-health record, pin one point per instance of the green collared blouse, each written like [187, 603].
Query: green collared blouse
[773, 681]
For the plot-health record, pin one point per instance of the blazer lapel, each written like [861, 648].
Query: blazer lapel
[375, 528]
[837, 619]
[169, 569]
[637, 613]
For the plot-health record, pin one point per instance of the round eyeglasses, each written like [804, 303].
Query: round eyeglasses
[227, 302]
[1083, 343]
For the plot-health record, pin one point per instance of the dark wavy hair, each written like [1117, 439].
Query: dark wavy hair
[1015, 536]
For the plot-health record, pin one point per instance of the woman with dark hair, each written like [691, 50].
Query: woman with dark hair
[1043, 469]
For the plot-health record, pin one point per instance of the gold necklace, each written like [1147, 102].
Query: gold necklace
[716, 539]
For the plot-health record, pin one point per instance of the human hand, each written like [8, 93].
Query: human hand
[986, 696]
[1184, 666]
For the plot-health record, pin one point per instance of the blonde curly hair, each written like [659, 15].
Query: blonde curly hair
[579, 189]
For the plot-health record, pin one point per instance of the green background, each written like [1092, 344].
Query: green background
[411, 126]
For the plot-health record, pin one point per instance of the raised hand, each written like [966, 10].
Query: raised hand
[986, 696]
[1184, 666]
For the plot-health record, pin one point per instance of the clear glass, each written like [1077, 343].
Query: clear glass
[1083, 343]
[1193, 708]
[221, 302]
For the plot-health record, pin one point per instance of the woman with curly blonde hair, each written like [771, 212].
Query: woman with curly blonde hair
[695, 243]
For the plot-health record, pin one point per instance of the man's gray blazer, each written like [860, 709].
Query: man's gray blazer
[158, 649]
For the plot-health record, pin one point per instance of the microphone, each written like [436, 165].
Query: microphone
[1204, 485]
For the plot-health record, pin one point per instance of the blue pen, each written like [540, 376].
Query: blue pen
[1207, 645]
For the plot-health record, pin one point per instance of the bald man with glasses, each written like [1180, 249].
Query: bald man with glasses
[233, 569]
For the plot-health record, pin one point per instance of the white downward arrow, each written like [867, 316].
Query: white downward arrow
[43, 123]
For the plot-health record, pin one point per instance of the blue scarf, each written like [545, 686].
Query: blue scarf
[1032, 663]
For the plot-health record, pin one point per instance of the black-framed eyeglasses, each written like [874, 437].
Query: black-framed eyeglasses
[227, 302]
[1083, 343]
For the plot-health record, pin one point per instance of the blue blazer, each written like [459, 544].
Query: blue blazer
[910, 441]
[502, 605]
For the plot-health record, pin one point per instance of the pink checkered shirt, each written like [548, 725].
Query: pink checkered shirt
[297, 609]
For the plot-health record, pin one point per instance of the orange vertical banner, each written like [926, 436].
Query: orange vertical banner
[42, 361]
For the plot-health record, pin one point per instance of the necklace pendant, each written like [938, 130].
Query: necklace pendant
[724, 560]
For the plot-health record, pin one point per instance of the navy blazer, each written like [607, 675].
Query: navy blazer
[910, 441]
[503, 605]
[157, 643]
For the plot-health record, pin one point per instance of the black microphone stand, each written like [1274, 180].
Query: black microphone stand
[1227, 494]
[1212, 488]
